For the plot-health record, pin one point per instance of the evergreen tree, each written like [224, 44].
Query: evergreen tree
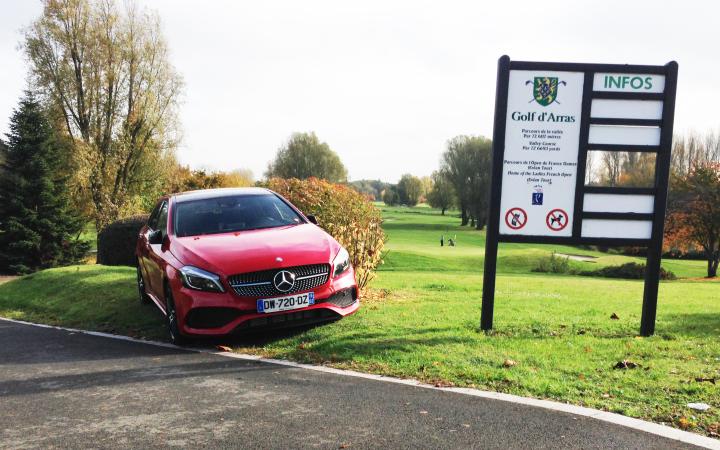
[38, 227]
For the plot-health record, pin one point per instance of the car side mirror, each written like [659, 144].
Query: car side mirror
[312, 219]
[155, 237]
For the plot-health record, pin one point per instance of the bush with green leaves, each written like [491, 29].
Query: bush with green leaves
[630, 271]
[553, 264]
[116, 242]
[345, 214]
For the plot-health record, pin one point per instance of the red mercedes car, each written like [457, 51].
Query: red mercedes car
[224, 261]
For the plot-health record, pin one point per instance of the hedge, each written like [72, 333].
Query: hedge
[116, 242]
[345, 214]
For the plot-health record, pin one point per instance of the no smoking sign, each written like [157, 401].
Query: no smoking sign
[515, 218]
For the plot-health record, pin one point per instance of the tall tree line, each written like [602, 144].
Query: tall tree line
[105, 72]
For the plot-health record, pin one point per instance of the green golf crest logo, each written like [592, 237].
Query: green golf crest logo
[545, 90]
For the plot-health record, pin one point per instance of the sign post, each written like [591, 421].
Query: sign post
[547, 117]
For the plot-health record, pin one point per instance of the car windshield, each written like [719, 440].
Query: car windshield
[228, 214]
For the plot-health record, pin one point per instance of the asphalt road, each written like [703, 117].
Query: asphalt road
[71, 390]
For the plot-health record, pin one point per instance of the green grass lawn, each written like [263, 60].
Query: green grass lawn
[421, 321]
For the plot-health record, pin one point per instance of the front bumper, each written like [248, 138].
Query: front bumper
[215, 314]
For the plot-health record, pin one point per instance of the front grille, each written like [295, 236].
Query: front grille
[260, 284]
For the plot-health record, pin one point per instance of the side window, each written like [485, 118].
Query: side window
[153, 219]
[163, 219]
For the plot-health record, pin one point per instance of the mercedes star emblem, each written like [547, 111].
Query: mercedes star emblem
[284, 281]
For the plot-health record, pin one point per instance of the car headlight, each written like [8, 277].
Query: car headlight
[200, 280]
[341, 263]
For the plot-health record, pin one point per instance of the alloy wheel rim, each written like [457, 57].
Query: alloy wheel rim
[140, 281]
[171, 317]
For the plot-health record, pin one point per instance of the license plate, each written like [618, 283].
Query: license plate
[268, 305]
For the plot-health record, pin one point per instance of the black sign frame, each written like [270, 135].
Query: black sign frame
[659, 189]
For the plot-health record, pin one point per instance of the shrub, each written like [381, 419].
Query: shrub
[553, 264]
[390, 196]
[631, 270]
[345, 214]
[116, 242]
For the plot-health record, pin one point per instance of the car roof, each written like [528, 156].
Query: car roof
[219, 193]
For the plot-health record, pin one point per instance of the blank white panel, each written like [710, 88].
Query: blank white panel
[624, 135]
[621, 229]
[641, 204]
[627, 109]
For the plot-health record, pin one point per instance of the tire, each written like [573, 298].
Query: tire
[171, 319]
[142, 294]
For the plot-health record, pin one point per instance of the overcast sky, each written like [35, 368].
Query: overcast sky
[386, 83]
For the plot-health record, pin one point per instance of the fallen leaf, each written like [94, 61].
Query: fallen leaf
[614, 317]
[423, 412]
[714, 429]
[698, 406]
[581, 377]
[223, 348]
[625, 364]
[709, 380]
[344, 445]
[509, 363]
[684, 423]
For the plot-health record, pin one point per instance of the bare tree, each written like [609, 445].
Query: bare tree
[108, 73]
[694, 149]
[612, 168]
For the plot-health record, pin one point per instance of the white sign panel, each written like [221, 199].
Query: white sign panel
[542, 135]
[627, 135]
[622, 229]
[627, 109]
[627, 82]
[617, 203]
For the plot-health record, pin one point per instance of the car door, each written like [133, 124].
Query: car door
[144, 247]
[154, 261]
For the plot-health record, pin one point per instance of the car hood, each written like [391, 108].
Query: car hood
[253, 250]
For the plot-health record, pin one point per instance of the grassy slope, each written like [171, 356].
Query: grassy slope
[558, 329]
[91, 297]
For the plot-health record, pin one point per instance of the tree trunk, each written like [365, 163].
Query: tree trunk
[463, 216]
[712, 268]
[442, 212]
[472, 222]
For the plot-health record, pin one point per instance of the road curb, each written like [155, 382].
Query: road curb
[617, 419]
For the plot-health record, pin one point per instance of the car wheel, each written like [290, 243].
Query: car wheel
[172, 320]
[142, 293]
